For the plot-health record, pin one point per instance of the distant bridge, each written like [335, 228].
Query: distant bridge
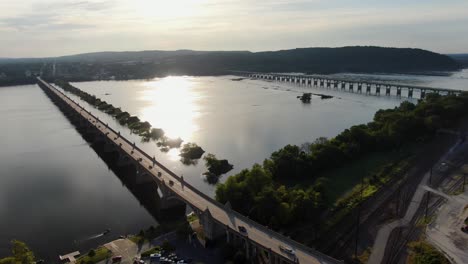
[370, 88]
[218, 220]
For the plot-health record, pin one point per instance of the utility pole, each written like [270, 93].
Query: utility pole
[358, 220]
[428, 194]
[464, 182]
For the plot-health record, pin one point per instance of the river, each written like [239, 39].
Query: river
[55, 190]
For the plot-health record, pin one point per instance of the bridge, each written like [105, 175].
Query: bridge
[218, 221]
[369, 88]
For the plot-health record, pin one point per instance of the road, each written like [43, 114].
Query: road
[258, 234]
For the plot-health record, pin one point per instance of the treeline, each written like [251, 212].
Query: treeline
[143, 128]
[150, 64]
[258, 192]
[20, 254]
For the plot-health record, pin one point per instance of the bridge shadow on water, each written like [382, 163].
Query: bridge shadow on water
[146, 193]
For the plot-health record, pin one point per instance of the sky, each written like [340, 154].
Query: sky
[43, 28]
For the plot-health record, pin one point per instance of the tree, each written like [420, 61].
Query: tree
[21, 254]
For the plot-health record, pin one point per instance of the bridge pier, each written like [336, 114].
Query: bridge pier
[377, 89]
[423, 93]
[211, 229]
[359, 88]
[351, 87]
[410, 92]
[387, 90]
[368, 89]
[398, 91]
[343, 85]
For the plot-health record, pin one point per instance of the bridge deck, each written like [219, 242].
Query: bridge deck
[341, 79]
[257, 233]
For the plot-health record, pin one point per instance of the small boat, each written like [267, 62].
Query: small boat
[107, 231]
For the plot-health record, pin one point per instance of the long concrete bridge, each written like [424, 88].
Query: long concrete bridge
[369, 88]
[219, 221]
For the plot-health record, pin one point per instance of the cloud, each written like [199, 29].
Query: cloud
[41, 22]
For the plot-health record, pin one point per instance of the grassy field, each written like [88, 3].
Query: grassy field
[101, 253]
[342, 180]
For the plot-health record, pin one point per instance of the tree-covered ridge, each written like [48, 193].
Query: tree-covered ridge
[259, 192]
[149, 64]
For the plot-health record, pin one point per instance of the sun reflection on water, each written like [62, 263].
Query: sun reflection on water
[172, 106]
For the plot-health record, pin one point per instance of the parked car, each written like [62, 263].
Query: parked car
[116, 259]
[171, 183]
[286, 250]
[155, 256]
[465, 229]
[242, 229]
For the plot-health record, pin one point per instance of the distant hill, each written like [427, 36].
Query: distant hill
[460, 58]
[151, 63]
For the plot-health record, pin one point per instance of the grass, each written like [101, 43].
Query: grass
[192, 217]
[100, 254]
[422, 252]
[340, 181]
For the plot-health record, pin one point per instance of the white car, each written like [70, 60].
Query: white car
[286, 250]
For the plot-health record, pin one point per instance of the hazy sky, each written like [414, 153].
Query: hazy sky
[35, 28]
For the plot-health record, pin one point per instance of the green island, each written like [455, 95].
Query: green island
[302, 191]
[216, 168]
[190, 153]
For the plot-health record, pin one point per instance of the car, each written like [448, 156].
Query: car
[465, 229]
[242, 229]
[138, 261]
[116, 259]
[171, 183]
[140, 159]
[155, 256]
[286, 250]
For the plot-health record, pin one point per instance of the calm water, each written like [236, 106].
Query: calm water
[55, 190]
[242, 121]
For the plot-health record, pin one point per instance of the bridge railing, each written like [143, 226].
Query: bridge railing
[296, 245]
[320, 77]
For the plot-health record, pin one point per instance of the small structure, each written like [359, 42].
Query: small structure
[70, 257]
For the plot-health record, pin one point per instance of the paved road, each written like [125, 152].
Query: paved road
[256, 233]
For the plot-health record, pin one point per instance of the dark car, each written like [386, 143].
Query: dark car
[116, 259]
[465, 229]
[242, 229]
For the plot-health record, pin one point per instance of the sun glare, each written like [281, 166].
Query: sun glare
[172, 106]
[168, 9]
